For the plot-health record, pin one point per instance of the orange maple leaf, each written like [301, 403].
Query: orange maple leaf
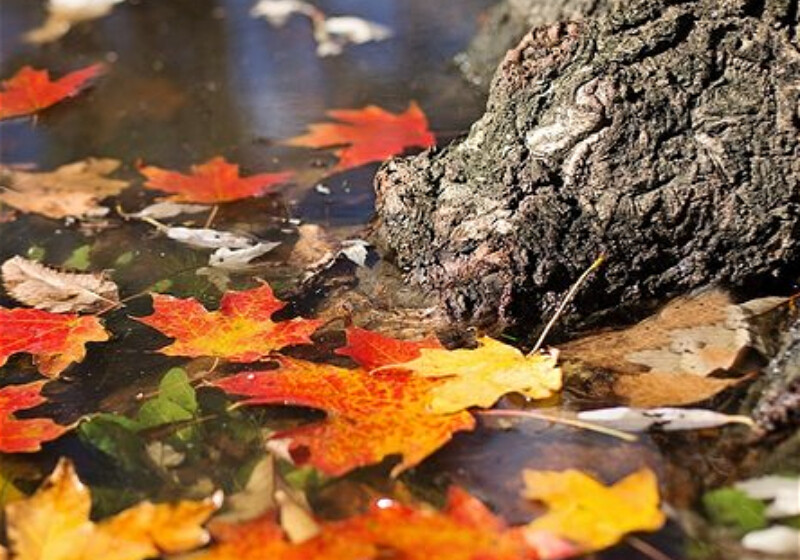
[372, 350]
[55, 340]
[24, 435]
[29, 90]
[464, 530]
[367, 135]
[240, 331]
[211, 182]
[370, 416]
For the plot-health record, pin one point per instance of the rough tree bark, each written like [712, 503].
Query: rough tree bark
[663, 133]
[507, 23]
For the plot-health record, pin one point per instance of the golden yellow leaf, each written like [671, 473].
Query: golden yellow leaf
[481, 376]
[54, 524]
[591, 514]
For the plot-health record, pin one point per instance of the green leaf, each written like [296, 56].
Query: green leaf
[733, 508]
[116, 436]
[79, 259]
[176, 402]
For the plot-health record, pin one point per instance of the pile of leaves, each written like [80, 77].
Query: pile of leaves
[251, 408]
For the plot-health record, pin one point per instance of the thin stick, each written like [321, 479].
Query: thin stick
[564, 302]
[557, 420]
[211, 216]
[646, 548]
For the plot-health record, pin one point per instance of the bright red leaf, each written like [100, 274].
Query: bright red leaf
[211, 182]
[24, 435]
[240, 331]
[370, 416]
[372, 350]
[370, 134]
[464, 530]
[55, 340]
[32, 90]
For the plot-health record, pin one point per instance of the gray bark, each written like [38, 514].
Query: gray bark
[663, 133]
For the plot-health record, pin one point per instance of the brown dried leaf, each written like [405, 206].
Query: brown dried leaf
[72, 190]
[42, 287]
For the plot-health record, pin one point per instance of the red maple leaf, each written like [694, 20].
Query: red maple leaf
[29, 90]
[372, 350]
[464, 530]
[56, 340]
[211, 182]
[367, 135]
[370, 416]
[240, 331]
[24, 435]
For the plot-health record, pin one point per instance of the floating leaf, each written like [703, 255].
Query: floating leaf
[24, 435]
[586, 512]
[72, 190]
[211, 182]
[369, 134]
[667, 419]
[240, 331]
[780, 540]
[782, 491]
[464, 530]
[372, 350]
[30, 91]
[54, 524]
[370, 416]
[46, 288]
[63, 14]
[55, 340]
[481, 376]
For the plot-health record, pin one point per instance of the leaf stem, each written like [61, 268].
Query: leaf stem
[558, 420]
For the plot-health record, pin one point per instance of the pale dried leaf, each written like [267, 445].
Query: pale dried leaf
[46, 288]
[295, 519]
[782, 491]
[204, 238]
[278, 12]
[667, 419]
[334, 33]
[240, 259]
[774, 540]
[256, 498]
[72, 190]
[63, 14]
[163, 210]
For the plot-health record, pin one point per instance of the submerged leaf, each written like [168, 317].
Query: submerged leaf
[30, 91]
[735, 509]
[241, 330]
[54, 524]
[24, 435]
[591, 514]
[368, 135]
[72, 190]
[667, 419]
[46, 288]
[370, 416]
[211, 182]
[55, 340]
[63, 14]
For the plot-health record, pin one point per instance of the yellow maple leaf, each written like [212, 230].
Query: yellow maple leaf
[480, 376]
[589, 513]
[54, 524]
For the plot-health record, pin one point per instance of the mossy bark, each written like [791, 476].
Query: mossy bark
[663, 133]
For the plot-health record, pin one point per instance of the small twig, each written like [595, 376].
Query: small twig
[564, 302]
[211, 216]
[558, 420]
[647, 549]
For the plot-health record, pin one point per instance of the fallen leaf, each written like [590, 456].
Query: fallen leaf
[212, 182]
[735, 510]
[481, 376]
[783, 493]
[589, 513]
[42, 287]
[370, 416]
[666, 419]
[63, 14]
[780, 540]
[24, 435]
[332, 34]
[240, 331]
[54, 524]
[240, 259]
[666, 360]
[30, 91]
[55, 340]
[372, 350]
[368, 135]
[163, 210]
[464, 530]
[72, 190]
